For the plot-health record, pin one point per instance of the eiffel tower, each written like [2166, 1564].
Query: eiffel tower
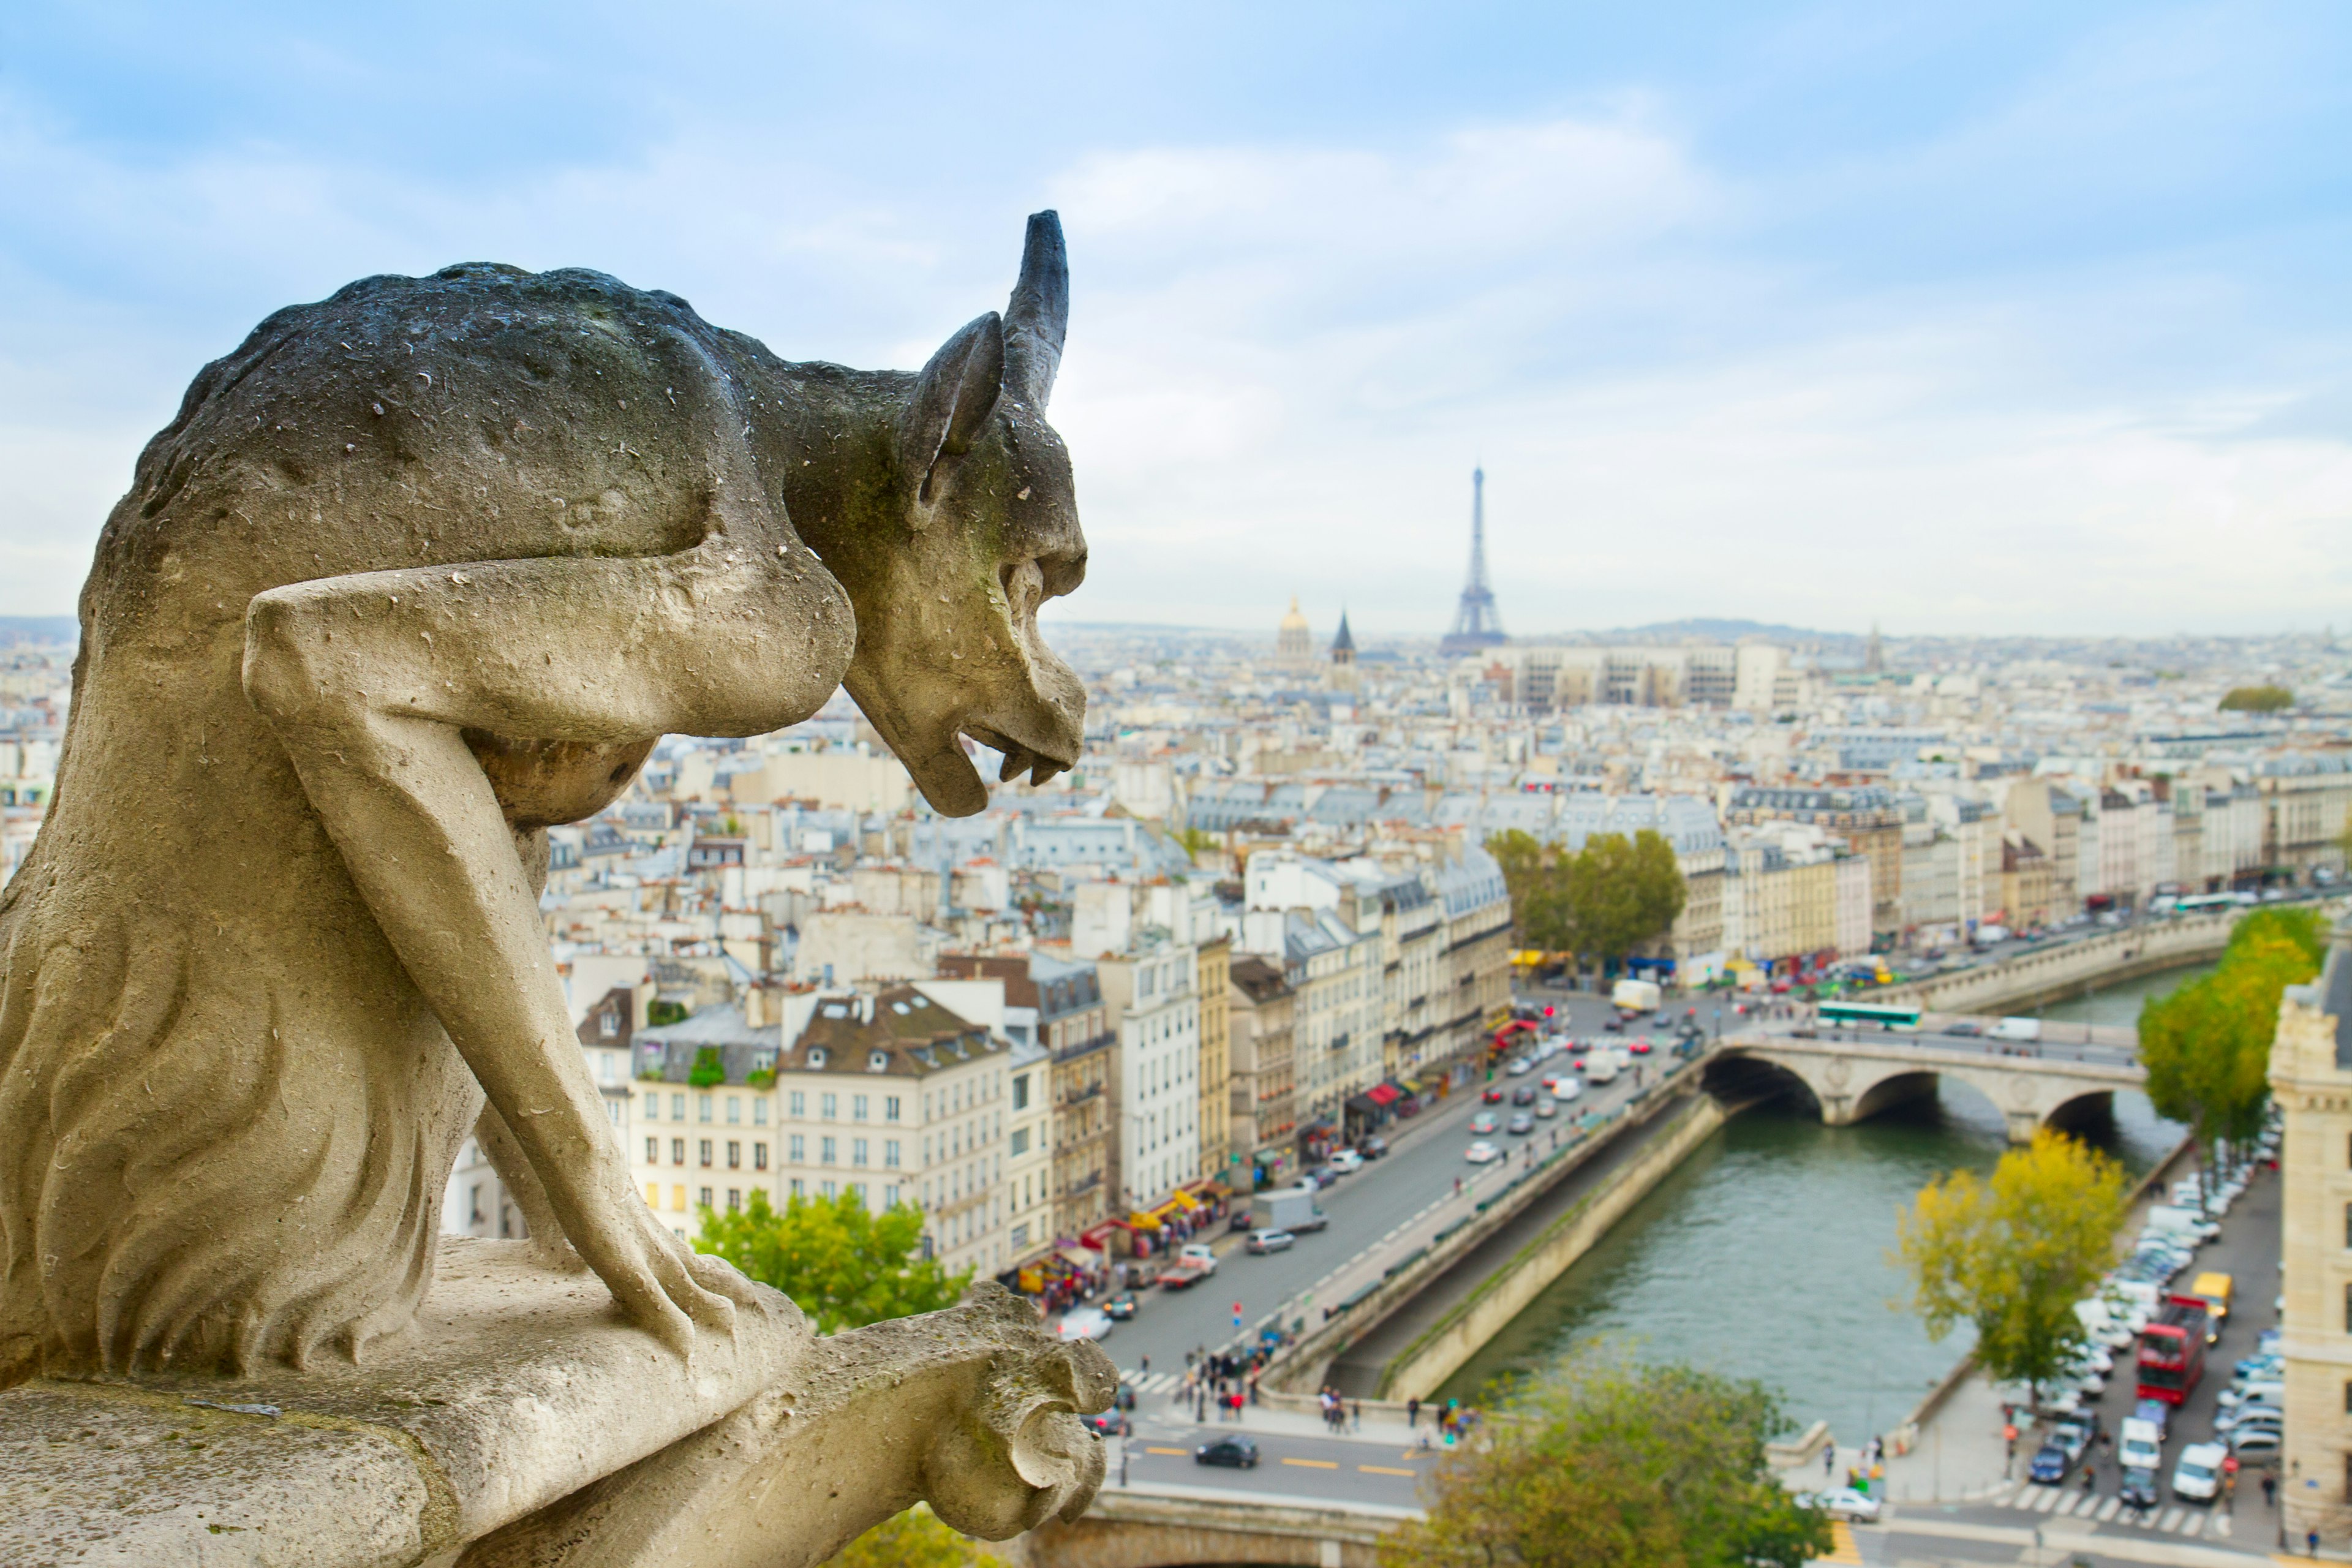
[1477, 623]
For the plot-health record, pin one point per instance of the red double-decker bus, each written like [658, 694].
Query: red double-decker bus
[2172, 1350]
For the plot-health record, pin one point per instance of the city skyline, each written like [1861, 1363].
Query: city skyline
[1997, 325]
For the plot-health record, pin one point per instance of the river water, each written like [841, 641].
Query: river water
[1765, 1254]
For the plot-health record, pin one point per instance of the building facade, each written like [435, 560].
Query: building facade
[2311, 1081]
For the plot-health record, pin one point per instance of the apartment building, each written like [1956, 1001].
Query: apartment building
[1475, 980]
[1265, 1083]
[1866, 818]
[2310, 1082]
[1153, 998]
[1219, 1154]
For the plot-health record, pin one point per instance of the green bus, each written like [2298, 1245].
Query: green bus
[1862, 1013]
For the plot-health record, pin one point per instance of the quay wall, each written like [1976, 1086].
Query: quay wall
[1442, 1350]
[2054, 973]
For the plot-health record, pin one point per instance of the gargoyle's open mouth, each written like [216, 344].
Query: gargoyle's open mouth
[1018, 758]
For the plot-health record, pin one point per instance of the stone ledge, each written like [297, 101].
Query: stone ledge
[516, 1387]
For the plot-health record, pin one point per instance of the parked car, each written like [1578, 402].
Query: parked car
[1483, 1153]
[1522, 1124]
[1841, 1502]
[1482, 1123]
[1521, 1065]
[1373, 1147]
[2255, 1443]
[1265, 1241]
[1346, 1161]
[1119, 1308]
[1235, 1453]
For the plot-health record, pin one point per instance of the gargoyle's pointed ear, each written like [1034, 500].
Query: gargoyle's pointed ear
[953, 396]
[1039, 316]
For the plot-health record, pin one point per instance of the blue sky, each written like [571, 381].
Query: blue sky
[1993, 319]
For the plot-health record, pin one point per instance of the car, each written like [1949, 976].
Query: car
[1612, 1024]
[1524, 1095]
[1546, 1108]
[2248, 1415]
[1640, 1048]
[1578, 1048]
[1084, 1324]
[1663, 1020]
[2138, 1489]
[1373, 1147]
[1483, 1153]
[1964, 1029]
[1119, 1308]
[1841, 1502]
[1108, 1424]
[1521, 1065]
[1495, 1095]
[1522, 1124]
[2198, 1473]
[1482, 1123]
[1265, 1241]
[2255, 1442]
[2050, 1464]
[1347, 1162]
[1235, 1453]
[1199, 1255]
[1183, 1277]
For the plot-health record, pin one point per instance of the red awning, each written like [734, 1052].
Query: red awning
[1381, 1093]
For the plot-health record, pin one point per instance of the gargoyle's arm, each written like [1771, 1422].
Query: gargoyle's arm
[370, 680]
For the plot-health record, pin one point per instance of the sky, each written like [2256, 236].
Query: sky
[1992, 319]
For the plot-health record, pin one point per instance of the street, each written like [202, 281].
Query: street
[1386, 1196]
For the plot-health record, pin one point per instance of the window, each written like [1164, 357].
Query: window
[653, 1150]
[799, 1103]
[702, 1108]
[653, 1107]
[734, 1155]
[830, 1191]
[678, 1151]
[760, 1156]
[878, 1061]
[1020, 1092]
[2348, 1399]
[734, 1198]
[705, 1199]
[890, 1152]
[816, 1055]
[678, 1199]
[1021, 1141]
[828, 1105]
[703, 1149]
[889, 1107]
[677, 1107]
[828, 1151]
[608, 1026]
[734, 1111]
[2348, 1309]
[857, 1108]
[890, 1197]
[799, 1150]
[857, 1150]
[759, 1113]
[799, 1189]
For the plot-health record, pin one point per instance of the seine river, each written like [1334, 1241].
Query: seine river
[1765, 1255]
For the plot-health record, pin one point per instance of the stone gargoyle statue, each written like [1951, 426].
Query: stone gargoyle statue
[415, 574]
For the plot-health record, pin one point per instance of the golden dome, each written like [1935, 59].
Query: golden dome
[1294, 621]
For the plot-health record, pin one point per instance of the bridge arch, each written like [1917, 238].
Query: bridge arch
[1737, 1080]
[1852, 1079]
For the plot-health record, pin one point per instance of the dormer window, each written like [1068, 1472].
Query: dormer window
[836, 1010]
[878, 1061]
[916, 1001]
[899, 1009]
[816, 1055]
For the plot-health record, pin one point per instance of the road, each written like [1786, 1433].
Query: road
[1335, 1469]
[1405, 1189]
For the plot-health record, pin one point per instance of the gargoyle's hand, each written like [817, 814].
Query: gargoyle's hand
[1018, 1454]
[665, 1288]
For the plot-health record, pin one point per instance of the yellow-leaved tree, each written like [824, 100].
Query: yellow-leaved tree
[2012, 1255]
[915, 1539]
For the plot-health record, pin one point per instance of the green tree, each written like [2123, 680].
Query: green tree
[1196, 842]
[1623, 893]
[2012, 1255]
[1610, 1464]
[915, 1539]
[2206, 1044]
[2267, 699]
[845, 1266]
[1535, 875]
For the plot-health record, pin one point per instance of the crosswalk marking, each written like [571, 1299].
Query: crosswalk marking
[2195, 1523]
[2171, 1521]
[2066, 1504]
[2107, 1508]
[2047, 1501]
[1841, 1547]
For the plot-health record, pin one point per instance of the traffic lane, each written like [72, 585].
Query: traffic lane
[1362, 1209]
[1339, 1469]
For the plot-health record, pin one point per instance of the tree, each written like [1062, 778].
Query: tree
[845, 1266]
[2267, 699]
[2014, 1254]
[1622, 894]
[915, 1539]
[1610, 1464]
[1196, 842]
[2206, 1044]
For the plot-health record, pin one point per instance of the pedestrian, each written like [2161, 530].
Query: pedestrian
[1147, 1366]
[1412, 1413]
[1829, 1463]
[1356, 1424]
[2311, 1539]
[2270, 1489]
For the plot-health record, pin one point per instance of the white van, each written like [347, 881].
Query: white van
[2019, 1029]
[2142, 1447]
[1602, 1067]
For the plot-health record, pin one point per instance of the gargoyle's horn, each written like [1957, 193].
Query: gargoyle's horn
[1039, 316]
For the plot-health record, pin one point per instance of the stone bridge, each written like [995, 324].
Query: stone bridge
[1176, 1528]
[1861, 1076]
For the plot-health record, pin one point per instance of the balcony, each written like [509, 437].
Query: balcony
[1092, 1091]
[1076, 1048]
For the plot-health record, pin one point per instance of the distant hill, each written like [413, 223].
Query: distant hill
[39, 629]
[1704, 628]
